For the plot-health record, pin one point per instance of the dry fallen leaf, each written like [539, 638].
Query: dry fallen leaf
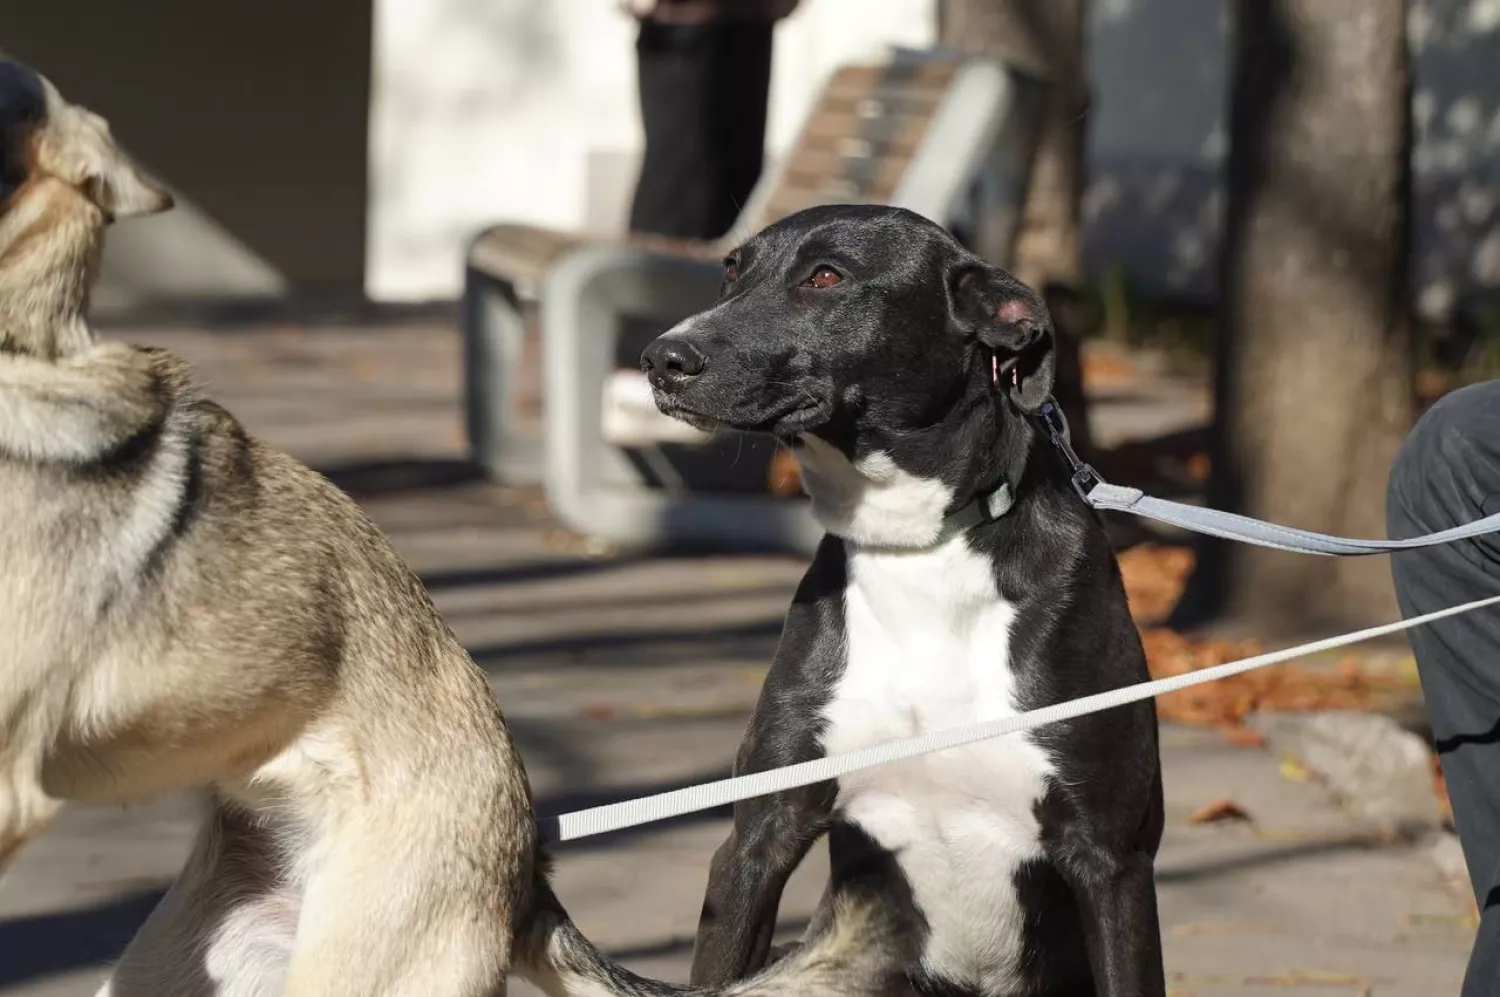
[1243, 737]
[1440, 787]
[1099, 369]
[1431, 384]
[1292, 769]
[1284, 688]
[1218, 810]
[1154, 577]
[1199, 466]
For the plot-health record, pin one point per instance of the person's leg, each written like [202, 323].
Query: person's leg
[1448, 473]
[742, 88]
[703, 93]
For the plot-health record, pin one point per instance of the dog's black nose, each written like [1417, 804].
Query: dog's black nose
[671, 363]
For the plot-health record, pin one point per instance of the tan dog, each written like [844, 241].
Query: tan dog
[182, 606]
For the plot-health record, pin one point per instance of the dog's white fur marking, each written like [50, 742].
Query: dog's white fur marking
[248, 952]
[927, 641]
[871, 501]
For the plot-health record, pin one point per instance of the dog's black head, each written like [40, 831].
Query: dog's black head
[868, 333]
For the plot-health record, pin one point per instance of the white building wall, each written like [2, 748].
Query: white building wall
[525, 110]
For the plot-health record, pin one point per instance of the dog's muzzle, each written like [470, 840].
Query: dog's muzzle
[671, 364]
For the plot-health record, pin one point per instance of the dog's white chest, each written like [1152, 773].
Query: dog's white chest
[927, 639]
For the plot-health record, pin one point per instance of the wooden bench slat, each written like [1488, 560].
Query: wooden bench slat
[885, 175]
[837, 165]
[840, 133]
[521, 252]
[934, 75]
[524, 253]
[835, 144]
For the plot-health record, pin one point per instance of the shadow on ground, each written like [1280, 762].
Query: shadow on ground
[1260, 856]
[666, 646]
[383, 478]
[45, 944]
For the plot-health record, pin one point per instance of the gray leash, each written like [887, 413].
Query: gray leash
[1102, 495]
[1254, 531]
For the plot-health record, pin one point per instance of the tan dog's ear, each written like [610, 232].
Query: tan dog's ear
[120, 188]
[75, 145]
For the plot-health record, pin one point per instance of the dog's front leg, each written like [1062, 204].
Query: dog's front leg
[750, 870]
[772, 834]
[1116, 898]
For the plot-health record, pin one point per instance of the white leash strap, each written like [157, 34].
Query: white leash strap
[663, 806]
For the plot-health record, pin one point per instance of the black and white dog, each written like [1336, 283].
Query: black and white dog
[962, 579]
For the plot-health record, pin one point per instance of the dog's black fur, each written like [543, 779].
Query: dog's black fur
[873, 329]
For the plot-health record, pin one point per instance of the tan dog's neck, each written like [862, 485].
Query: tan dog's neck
[50, 239]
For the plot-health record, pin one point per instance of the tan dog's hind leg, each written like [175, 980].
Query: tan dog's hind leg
[224, 929]
[414, 918]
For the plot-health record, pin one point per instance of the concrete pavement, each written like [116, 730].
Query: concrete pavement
[625, 675]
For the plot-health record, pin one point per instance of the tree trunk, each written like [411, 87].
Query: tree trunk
[1045, 37]
[1315, 383]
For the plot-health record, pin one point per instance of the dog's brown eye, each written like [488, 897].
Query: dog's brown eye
[823, 277]
[731, 271]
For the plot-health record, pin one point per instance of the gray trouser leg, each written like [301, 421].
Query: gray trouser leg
[1448, 473]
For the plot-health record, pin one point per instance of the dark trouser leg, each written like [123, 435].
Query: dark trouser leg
[704, 90]
[1447, 473]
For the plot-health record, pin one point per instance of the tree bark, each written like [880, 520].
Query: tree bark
[1044, 37]
[1314, 372]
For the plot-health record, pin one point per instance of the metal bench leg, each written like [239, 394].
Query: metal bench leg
[493, 332]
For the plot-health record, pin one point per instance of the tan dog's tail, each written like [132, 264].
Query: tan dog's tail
[857, 953]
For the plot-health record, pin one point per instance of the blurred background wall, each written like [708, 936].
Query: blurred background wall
[352, 147]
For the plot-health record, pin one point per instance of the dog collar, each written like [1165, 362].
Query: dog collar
[990, 507]
[984, 509]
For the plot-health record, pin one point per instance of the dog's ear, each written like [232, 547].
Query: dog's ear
[1009, 318]
[122, 190]
[76, 146]
[116, 184]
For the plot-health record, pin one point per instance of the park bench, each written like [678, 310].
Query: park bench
[948, 137]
